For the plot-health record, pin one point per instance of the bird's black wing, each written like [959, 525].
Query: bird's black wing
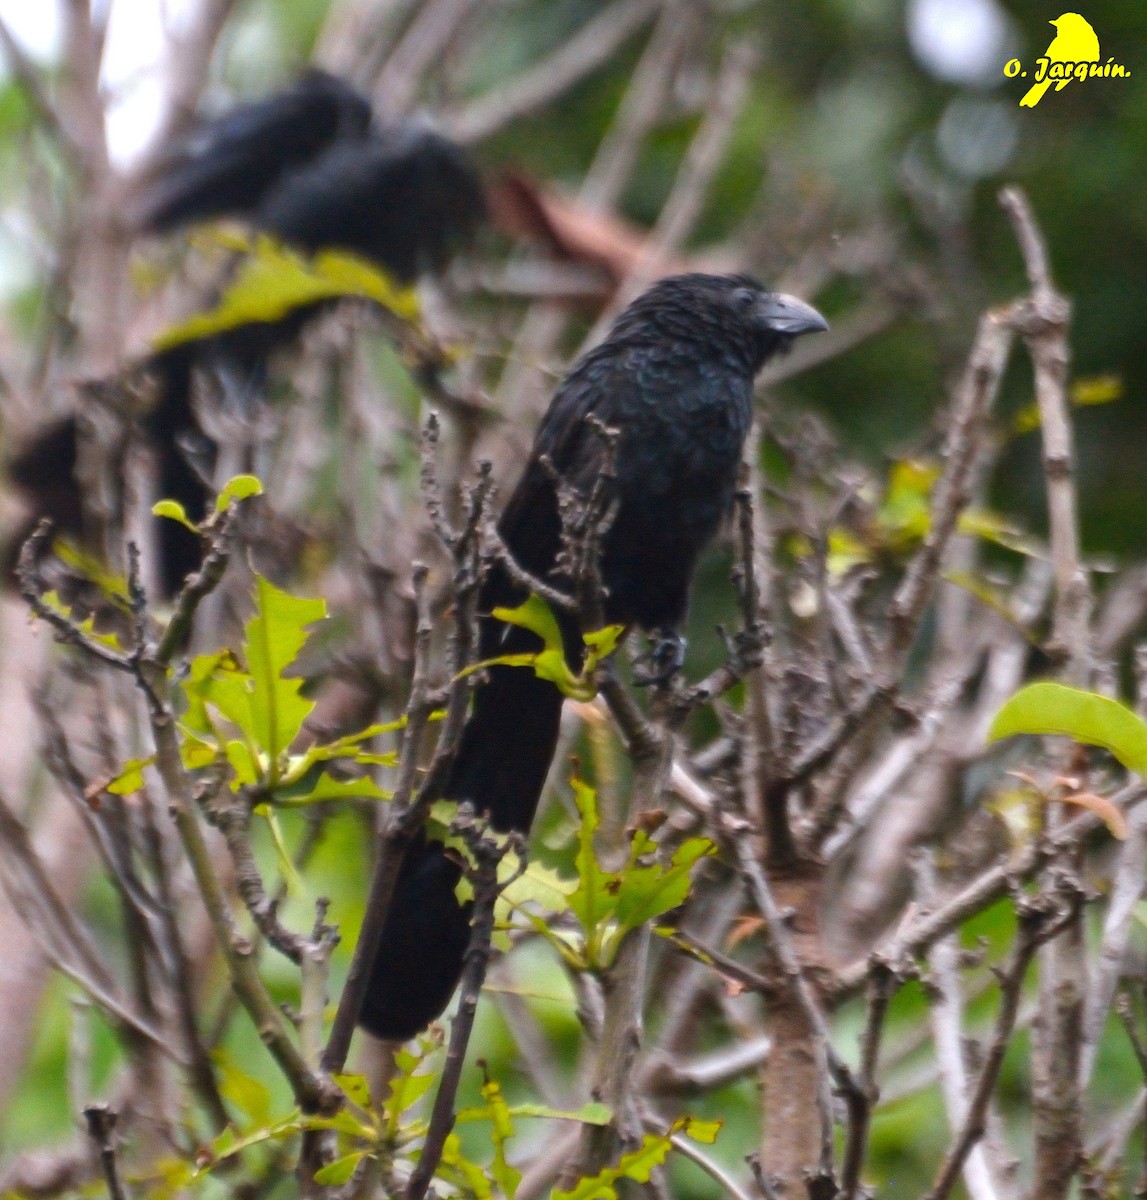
[567, 444]
[227, 166]
[404, 200]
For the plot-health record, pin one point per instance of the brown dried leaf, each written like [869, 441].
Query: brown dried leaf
[742, 928]
[1103, 808]
[524, 208]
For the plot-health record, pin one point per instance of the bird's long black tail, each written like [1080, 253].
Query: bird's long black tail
[179, 551]
[501, 767]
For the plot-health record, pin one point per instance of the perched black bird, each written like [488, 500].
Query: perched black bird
[227, 166]
[405, 198]
[674, 377]
[307, 166]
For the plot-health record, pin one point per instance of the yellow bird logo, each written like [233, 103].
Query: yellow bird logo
[1074, 43]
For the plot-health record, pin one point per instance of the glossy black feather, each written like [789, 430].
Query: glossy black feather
[229, 165]
[674, 377]
[404, 200]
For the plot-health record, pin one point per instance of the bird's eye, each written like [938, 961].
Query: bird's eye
[744, 298]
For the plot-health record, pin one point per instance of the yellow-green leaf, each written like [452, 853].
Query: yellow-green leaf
[86, 625]
[130, 778]
[238, 487]
[111, 583]
[1096, 389]
[341, 1169]
[326, 787]
[1090, 390]
[250, 1096]
[355, 1088]
[275, 635]
[274, 281]
[287, 869]
[698, 1130]
[1087, 717]
[550, 662]
[470, 1175]
[174, 511]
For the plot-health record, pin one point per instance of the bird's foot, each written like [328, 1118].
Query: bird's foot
[661, 661]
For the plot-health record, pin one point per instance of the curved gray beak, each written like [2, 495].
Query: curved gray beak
[787, 314]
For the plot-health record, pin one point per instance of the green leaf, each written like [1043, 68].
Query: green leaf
[196, 754]
[608, 904]
[174, 511]
[228, 1144]
[550, 662]
[328, 788]
[290, 876]
[350, 747]
[1095, 720]
[639, 1164]
[112, 584]
[593, 1113]
[274, 281]
[406, 1088]
[344, 1122]
[275, 635]
[538, 884]
[590, 901]
[244, 764]
[603, 642]
[698, 1130]
[355, 1088]
[238, 487]
[86, 625]
[248, 1095]
[473, 1179]
[130, 778]
[906, 513]
[647, 892]
[341, 1169]
[501, 1130]
[991, 527]
[1092, 389]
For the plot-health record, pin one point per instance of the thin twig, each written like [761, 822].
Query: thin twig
[101, 1121]
[487, 854]
[410, 807]
[1043, 321]
[545, 80]
[1037, 923]
[982, 892]
[862, 1099]
[199, 586]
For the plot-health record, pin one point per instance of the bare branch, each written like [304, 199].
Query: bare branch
[547, 79]
[1043, 321]
[101, 1122]
[1037, 922]
[487, 853]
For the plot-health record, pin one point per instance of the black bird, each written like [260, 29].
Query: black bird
[226, 167]
[307, 166]
[674, 377]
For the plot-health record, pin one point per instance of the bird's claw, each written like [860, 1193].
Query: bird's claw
[661, 661]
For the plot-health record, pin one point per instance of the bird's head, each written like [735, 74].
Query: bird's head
[776, 319]
[732, 314]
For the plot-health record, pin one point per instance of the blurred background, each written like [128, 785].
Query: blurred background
[863, 115]
[859, 146]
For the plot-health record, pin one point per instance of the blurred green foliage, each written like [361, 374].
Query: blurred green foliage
[843, 115]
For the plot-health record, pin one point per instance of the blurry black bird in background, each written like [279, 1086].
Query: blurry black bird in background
[225, 167]
[310, 167]
[674, 377]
